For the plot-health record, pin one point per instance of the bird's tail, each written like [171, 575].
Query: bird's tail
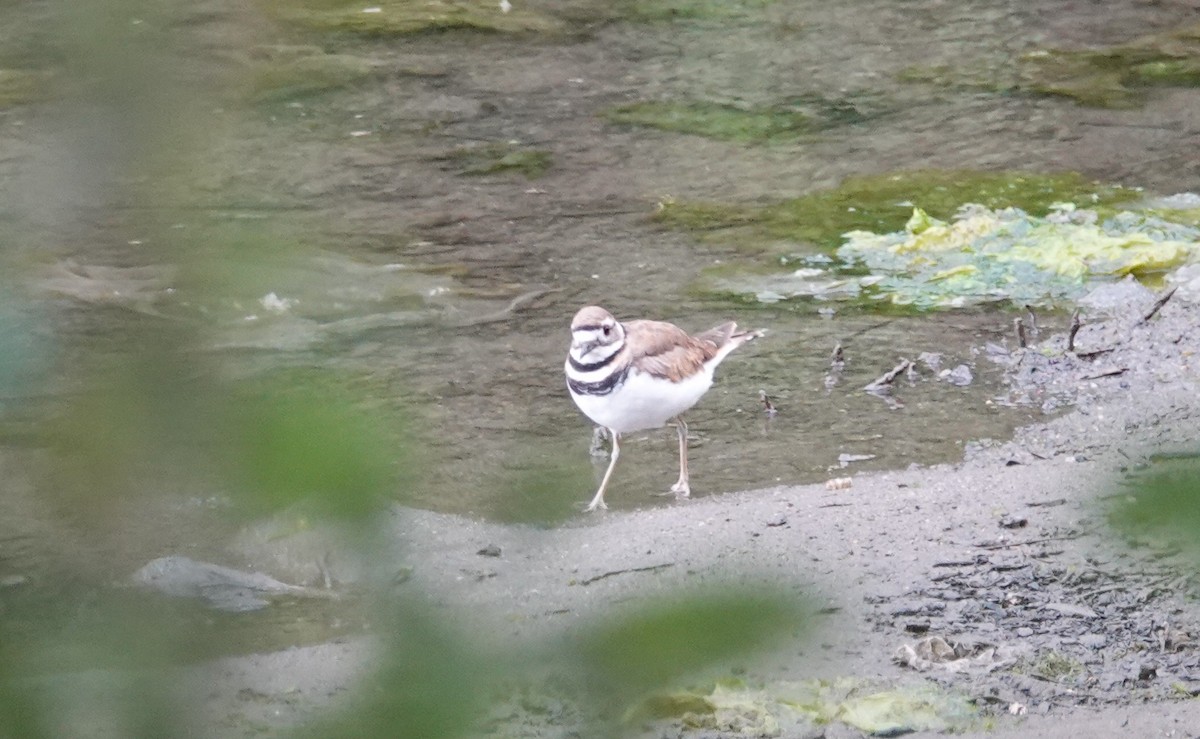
[735, 338]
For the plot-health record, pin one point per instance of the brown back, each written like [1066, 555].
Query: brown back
[665, 350]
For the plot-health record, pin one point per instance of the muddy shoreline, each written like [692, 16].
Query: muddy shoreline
[1006, 557]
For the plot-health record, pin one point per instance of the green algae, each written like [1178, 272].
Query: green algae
[715, 120]
[966, 75]
[1117, 76]
[1022, 238]
[881, 203]
[402, 17]
[988, 256]
[280, 73]
[982, 256]
[496, 158]
[787, 120]
[1095, 79]
[1189, 216]
[731, 706]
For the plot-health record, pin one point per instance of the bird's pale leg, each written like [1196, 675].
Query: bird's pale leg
[681, 487]
[598, 501]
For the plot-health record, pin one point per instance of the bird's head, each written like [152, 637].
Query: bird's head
[592, 329]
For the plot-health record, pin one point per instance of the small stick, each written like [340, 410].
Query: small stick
[1107, 373]
[1076, 324]
[837, 361]
[647, 568]
[887, 378]
[768, 407]
[518, 303]
[1033, 326]
[1010, 544]
[1019, 325]
[1158, 304]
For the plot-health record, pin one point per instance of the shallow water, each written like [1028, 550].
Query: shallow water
[409, 288]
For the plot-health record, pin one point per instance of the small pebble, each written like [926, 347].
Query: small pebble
[491, 550]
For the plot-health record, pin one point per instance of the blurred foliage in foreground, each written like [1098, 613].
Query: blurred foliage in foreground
[142, 406]
[1162, 506]
[135, 402]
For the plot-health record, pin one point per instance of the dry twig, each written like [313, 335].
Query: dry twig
[1158, 304]
[1076, 324]
[887, 378]
[611, 573]
[768, 407]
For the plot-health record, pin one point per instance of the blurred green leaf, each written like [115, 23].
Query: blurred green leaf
[18, 699]
[543, 486]
[308, 442]
[99, 658]
[1164, 505]
[430, 684]
[631, 655]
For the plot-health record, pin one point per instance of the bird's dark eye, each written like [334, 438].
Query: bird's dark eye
[606, 330]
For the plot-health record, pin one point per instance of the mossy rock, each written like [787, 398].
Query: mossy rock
[401, 17]
[21, 86]
[280, 73]
[882, 203]
[496, 158]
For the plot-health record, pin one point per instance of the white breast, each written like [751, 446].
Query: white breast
[644, 401]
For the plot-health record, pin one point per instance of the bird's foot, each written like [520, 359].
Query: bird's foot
[681, 489]
[595, 505]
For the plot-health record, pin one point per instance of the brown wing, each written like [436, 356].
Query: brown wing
[665, 350]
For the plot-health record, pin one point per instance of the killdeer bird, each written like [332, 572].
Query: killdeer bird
[640, 374]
